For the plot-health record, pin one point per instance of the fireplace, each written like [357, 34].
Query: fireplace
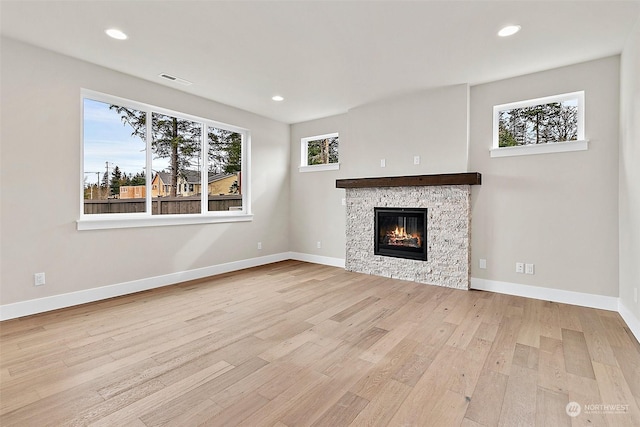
[447, 229]
[401, 232]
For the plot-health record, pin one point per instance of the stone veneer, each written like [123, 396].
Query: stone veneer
[448, 233]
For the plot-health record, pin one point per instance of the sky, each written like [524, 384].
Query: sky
[108, 139]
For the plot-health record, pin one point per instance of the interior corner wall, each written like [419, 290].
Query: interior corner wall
[40, 178]
[630, 174]
[317, 213]
[557, 211]
[431, 124]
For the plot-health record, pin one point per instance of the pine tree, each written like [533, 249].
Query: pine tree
[225, 150]
[173, 138]
[116, 181]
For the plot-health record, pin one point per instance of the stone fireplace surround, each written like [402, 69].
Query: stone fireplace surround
[448, 200]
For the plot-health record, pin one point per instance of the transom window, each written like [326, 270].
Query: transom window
[319, 152]
[541, 125]
[142, 161]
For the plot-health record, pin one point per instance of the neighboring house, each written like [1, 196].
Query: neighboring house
[161, 185]
[133, 191]
[189, 184]
[221, 183]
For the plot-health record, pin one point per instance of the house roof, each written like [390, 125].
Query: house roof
[324, 57]
[165, 177]
[193, 177]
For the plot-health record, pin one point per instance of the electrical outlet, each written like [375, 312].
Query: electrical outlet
[416, 160]
[38, 279]
[318, 245]
[259, 245]
[528, 268]
[519, 267]
[383, 163]
[344, 202]
[483, 263]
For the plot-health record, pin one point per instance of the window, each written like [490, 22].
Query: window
[319, 153]
[542, 125]
[142, 163]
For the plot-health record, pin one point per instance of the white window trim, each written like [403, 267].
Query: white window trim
[304, 154]
[146, 219]
[318, 168]
[135, 220]
[552, 147]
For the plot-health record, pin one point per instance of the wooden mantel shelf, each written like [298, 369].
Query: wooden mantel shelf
[465, 178]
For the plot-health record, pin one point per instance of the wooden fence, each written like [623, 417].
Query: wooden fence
[162, 205]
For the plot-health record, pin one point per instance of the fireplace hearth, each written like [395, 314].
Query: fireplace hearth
[401, 232]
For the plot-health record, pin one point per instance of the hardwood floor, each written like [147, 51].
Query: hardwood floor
[292, 344]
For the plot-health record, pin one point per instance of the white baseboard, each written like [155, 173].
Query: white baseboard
[41, 305]
[547, 294]
[317, 259]
[558, 295]
[630, 319]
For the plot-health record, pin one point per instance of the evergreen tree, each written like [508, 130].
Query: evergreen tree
[138, 179]
[173, 138]
[322, 151]
[538, 124]
[225, 151]
[116, 181]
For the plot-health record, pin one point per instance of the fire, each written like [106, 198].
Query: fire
[399, 237]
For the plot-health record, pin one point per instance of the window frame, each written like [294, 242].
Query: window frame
[304, 154]
[580, 144]
[147, 219]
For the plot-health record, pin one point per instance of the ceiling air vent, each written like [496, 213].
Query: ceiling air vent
[175, 79]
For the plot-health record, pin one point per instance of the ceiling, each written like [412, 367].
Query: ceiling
[323, 57]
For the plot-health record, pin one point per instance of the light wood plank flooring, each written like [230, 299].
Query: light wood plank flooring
[297, 344]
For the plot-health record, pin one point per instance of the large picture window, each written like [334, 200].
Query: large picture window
[542, 125]
[142, 162]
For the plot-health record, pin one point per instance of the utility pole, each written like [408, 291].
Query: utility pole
[97, 184]
[108, 180]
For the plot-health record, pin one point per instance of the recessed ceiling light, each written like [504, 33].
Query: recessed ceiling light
[509, 30]
[116, 34]
[277, 98]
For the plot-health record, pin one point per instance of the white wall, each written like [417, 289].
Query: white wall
[630, 175]
[430, 123]
[317, 213]
[40, 170]
[558, 211]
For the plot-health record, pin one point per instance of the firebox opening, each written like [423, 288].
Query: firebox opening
[401, 232]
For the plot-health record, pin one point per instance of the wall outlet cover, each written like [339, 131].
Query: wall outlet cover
[528, 269]
[38, 279]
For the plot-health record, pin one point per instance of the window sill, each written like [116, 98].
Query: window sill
[103, 222]
[554, 147]
[318, 168]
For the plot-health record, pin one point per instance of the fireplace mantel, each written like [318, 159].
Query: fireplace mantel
[465, 178]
